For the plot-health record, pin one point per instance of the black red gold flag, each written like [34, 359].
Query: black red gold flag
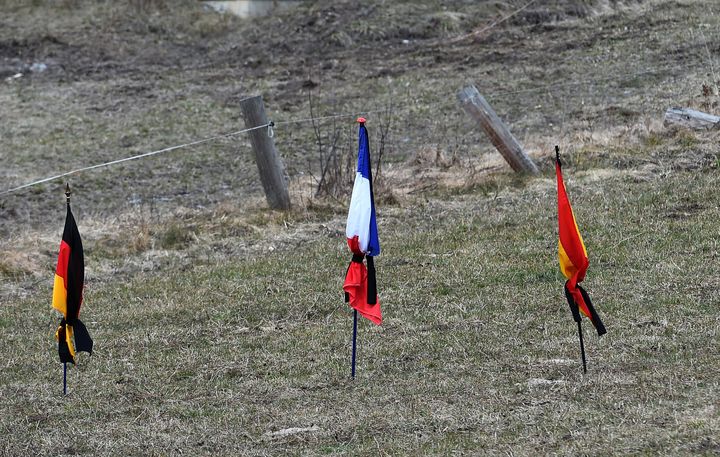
[72, 335]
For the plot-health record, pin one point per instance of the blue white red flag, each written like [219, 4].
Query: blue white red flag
[361, 230]
[362, 237]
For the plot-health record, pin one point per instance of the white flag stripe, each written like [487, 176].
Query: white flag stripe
[358, 223]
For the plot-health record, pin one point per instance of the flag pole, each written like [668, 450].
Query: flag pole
[67, 202]
[354, 343]
[582, 347]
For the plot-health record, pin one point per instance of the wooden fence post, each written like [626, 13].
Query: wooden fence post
[272, 172]
[691, 118]
[477, 107]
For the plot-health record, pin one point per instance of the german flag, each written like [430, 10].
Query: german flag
[573, 256]
[67, 292]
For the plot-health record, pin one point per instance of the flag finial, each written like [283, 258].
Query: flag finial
[557, 155]
[361, 120]
[67, 192]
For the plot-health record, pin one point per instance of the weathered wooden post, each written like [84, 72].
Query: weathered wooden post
[477, 107]
[691, 119]
[270, 166]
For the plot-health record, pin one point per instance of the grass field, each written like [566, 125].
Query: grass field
[219, 325]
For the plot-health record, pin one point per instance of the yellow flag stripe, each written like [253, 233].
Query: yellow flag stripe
[69, 339]
[59, 301]
[566, 266]
[577, 229]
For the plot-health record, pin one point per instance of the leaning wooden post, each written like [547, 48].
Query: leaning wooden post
[477, 107]
[691, 118]
[272, 173]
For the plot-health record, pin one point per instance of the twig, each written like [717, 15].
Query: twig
[710, 60]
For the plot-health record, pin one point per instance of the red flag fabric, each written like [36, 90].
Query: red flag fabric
[573, 256]
[356, 291]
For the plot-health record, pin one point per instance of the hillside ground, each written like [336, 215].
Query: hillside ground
[219, 324]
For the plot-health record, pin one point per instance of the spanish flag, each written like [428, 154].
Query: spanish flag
[68, 290]
[573, 256]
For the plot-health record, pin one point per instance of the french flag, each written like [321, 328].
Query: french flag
[362, 238]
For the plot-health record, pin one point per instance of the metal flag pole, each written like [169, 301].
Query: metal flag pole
[67, 201]
[354, 343]
[582, 347]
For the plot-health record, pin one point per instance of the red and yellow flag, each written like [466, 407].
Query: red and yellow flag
[573, 256]
[67, 293]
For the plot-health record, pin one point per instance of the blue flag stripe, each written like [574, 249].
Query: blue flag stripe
[364, 168]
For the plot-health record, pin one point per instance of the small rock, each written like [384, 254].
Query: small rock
[560, 361]
[38, 67]
[292, 431]
[537, 382]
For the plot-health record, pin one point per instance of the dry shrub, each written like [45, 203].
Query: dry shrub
[432, 156]
[15, 265]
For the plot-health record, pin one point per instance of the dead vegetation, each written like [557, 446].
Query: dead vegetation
[219, 325]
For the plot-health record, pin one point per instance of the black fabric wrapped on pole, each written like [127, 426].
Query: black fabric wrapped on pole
[594, 317]
[574, 308]
[372, 285]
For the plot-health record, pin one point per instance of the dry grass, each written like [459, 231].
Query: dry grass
[478, 352]
[219, 325]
